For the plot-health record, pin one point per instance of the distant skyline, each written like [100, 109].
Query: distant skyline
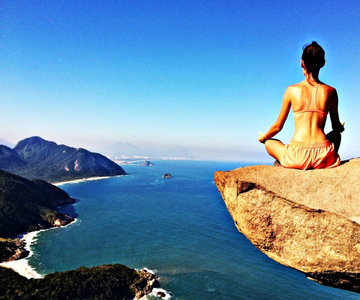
[202, 75]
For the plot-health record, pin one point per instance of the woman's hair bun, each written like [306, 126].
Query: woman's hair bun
[313, 56]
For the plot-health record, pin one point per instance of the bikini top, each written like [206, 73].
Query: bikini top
[312, 106]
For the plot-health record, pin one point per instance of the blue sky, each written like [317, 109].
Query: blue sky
[202, 75]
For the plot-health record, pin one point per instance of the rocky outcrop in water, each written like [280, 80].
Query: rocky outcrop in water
[307, 220]
[146, 163]
[151, 283]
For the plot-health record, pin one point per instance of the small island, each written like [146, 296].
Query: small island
[146, 163]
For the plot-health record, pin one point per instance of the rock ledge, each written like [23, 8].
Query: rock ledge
[306, 220]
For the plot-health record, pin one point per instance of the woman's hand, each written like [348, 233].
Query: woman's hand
[343, 128]
[261, 137]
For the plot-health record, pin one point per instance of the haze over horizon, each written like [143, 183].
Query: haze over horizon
[202, 75]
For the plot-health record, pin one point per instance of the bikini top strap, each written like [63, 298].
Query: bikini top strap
[312, 104]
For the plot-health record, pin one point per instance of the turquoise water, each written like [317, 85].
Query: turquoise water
[179, 228]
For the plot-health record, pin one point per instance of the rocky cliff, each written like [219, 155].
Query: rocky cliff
[35, 157]
[29, 205]
[307, 220]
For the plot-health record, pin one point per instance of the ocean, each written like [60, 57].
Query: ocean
[178, 227]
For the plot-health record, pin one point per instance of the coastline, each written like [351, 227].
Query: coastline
[155, 291]
[21, 266]
[84, 179]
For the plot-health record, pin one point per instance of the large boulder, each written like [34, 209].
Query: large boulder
[307, 220]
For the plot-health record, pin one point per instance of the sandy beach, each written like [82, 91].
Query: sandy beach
[84, 179]
[22, 266]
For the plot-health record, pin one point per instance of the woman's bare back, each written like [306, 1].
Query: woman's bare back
[310, 104]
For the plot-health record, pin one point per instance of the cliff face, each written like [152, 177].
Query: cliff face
[306, 220]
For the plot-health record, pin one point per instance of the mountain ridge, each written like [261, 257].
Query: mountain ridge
[27, 206]
[35, 157]
[6, 143]
[126, 150]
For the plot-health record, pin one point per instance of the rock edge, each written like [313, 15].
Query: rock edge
[301, 219]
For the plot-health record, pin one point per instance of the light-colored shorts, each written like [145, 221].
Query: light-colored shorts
[318, 155]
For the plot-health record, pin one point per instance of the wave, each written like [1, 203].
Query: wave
[156, 292]
[22, 266]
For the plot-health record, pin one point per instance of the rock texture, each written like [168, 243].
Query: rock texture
[151, 283]
[307, 220]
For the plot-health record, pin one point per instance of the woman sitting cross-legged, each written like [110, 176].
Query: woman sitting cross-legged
[311, 101]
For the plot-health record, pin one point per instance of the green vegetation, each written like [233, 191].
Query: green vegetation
[104, 282]
[28, 205]
[37, 158]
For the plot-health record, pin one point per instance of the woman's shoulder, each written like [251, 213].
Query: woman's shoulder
[328, 89]
[300, 85]
[294, 88]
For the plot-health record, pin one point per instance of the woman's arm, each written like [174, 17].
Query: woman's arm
[280, 121]
[337, 126]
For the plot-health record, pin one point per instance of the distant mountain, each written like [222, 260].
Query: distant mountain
[29, 205]
[35, 157]
[10, 159]
[153, 151]
[6, 143]
[122, 149]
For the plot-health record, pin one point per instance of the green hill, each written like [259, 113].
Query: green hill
[103, 282]
[29, 205]
[35, 157]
